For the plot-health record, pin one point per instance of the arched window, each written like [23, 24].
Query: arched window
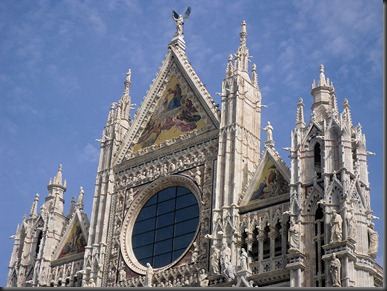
[336, 151]
[317, 159]
[318, 238]
[38, 242]
[278, 240]
[266, 244]
[255, 245]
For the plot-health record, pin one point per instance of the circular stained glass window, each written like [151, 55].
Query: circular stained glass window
[165, 226]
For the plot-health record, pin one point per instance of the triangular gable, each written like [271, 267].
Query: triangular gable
[177, 113]
[312, 131]
[74, 239]
[271, 179]
[176, 105]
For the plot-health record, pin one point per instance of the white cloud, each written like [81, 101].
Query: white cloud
[89, 154]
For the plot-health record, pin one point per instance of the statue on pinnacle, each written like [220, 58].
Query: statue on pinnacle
[179, 19]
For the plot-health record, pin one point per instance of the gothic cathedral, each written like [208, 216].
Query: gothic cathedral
[188, 194]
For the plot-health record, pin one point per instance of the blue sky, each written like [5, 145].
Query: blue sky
[63, 63]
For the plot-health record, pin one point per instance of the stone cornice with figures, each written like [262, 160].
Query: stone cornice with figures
[167, 160]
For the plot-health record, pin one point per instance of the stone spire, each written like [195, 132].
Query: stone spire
[240, 112]
[72, 207]
[34, 207]
[334, 107]
[56, 188]
[124, 105]
[322, 81]
[322, 96]
[254, 76]
[346, 114]
[58, 177]
[230, 67]
[300, 122]
[242, 55]
[127, 82]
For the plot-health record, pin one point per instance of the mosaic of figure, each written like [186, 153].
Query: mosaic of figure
[175, 114]
[271, 183]
[76, 242]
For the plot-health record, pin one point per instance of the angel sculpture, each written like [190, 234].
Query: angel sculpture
[179, 19]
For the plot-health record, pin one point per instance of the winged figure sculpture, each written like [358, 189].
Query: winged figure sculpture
[179, 19]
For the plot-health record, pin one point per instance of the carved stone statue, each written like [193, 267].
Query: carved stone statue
[243, 260]
[203, 280]
[80, 197]
[215, 256]
[336, 226]
[269, 131]
[179, 19]
[294, 236]
[335, 271]
[225, 256]
[122, 275]
[91, 283]
[148, 275]
[195, 253]
[351, 224]
[227, 268]
[373, 236]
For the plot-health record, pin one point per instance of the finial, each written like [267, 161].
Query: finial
[127, 82]
[230, 68]
[334, 107]
[346, 104]
[111, 112]
[128, 74]
[34, 207]
[58, 176]
[254, 75]
[72, 207]
[243, 33]
[300, 123]
[322, 81]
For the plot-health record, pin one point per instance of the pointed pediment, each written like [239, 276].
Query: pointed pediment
[176, 106]
[313, 130]
[74, 239]
[270, 180]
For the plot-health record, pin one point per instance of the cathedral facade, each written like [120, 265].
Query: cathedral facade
[188, 194]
